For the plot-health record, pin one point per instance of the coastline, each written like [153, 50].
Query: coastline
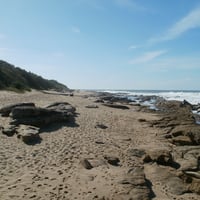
[139, 154]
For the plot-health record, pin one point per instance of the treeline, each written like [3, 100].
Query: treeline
[17, 79]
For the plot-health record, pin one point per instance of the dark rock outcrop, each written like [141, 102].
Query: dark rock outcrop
[35, 116]
[27, 119]
[119, 106]
[5, 111]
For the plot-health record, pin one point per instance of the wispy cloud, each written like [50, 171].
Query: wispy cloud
[179, 63]
[76, 29]
[149, 56]
[190, 21]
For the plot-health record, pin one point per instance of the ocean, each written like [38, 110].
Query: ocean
[192, 96]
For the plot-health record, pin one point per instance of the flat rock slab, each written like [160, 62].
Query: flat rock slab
[118, 106]
[91, 106]
[5, 111]
[137, 184]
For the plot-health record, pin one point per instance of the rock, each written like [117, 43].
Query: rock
[193, 174]
[119, 106]
[63, 107]
[112, 160]
[187, 157]
[176, 185]
[182, 140]
[194, 186]
[9, 130]
[102, 126]
[136, 152]
[5, 111]
[35, 116]
[28, 134]
[161, 156]
[185, 104]
[142, 120]
[91, 106]
[137, 184]
[86, 164]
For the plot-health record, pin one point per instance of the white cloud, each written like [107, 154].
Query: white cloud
[190, 21]
[179, 63]
[75, 29]
[149, 56]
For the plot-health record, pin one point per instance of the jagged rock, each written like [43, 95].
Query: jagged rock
[112, 160]
[28, 134]
[119, 106]
[86, 164]
[9, 130]
[161, 156]
[5, 111]
[185, 104]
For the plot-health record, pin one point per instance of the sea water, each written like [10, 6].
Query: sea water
[192, 96]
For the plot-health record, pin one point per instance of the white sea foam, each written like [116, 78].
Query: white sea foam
[191, 96]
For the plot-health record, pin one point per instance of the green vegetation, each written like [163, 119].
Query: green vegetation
[19, 80]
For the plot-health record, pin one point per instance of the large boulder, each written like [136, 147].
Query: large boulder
[35, 116]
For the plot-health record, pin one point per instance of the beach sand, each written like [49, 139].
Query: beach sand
[56, 168]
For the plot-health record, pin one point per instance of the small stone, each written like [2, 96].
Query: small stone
[112, 160]
[86, 164]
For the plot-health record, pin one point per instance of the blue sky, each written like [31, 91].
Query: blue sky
[105, 44]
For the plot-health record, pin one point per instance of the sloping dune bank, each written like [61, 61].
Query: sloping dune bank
[112, 150]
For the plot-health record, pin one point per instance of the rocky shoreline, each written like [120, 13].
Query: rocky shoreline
[97, 146]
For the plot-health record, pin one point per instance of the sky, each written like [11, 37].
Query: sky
[105, 44]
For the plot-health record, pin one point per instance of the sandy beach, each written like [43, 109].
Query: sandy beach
[100, 156]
